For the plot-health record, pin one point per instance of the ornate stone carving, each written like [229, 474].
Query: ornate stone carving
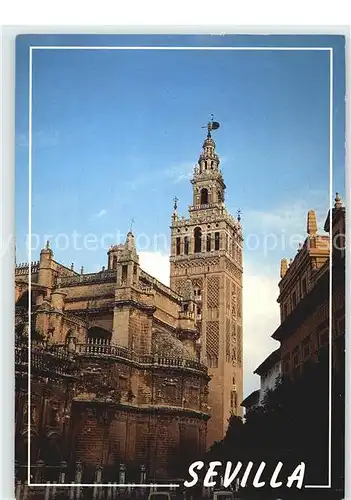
[212, 339]
[213, 283]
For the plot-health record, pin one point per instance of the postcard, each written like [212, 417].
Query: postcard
[180, 266]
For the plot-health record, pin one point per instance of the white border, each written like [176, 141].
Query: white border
[35, 47]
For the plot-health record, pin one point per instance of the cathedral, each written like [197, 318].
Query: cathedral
[126, 373]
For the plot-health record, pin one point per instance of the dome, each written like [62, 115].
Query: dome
[165, 344]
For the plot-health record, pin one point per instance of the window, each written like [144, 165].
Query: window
[294, 301]
[114, 262]
[186, 245]
[304, 287]
[124, 274]
[306, 348]
[199, 311]
[208, 243]
[203, 196]
[296, 357]
[197, 240]
[178, 246]
[216, 241]
[233, 399]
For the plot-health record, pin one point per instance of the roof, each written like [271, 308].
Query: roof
[252, 399]
[269, 362]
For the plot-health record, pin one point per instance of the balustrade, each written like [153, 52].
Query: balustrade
[23, 268]
[103, 347]
[57, 358]
[100, 277]
[53, 358]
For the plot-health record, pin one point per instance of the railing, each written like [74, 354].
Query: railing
[102, 348]
[21, 355]
[61, 481]
[100, 277]
[145, 286]
[154, 282]
[55, 359]
[23, 268]
[53, 490]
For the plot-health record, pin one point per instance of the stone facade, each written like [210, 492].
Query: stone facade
[137, 391]
[307, 316]
[207, 248]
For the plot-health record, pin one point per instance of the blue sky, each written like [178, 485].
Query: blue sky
[117, 133]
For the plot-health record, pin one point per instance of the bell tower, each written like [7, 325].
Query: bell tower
[206, 247]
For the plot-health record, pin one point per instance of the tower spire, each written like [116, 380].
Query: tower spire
[208, 160]
[212, 125]
[132, 220]
[206, 247]
[311, 223]
[175, 207]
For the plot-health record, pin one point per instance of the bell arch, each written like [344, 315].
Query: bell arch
[204, 196]
[197, 239]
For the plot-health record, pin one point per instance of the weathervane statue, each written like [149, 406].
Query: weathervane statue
[212, 125]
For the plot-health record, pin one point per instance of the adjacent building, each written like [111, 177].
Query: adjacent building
[269, 372]
[312, 304]
[312, 295]
[251, 401]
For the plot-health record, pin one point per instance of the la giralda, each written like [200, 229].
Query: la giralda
[254, 473]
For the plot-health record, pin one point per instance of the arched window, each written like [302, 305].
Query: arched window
[208, 243]
[124, 274]
[197, 240]
[178, 246]
[203, 196]
[186, 245]
[216, 240]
